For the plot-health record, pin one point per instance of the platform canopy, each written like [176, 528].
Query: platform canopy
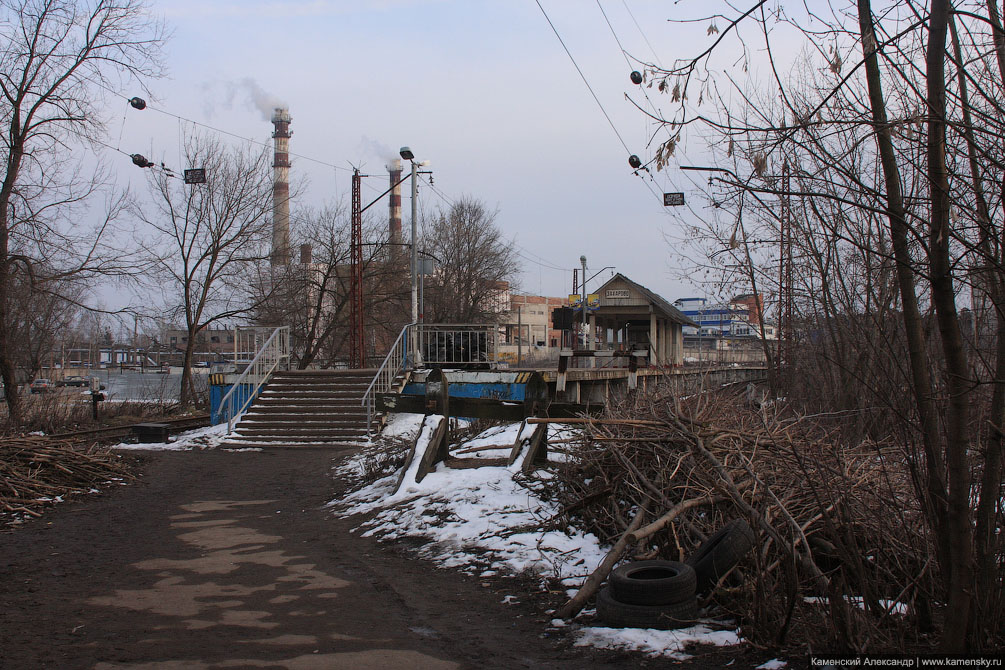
[630, 316]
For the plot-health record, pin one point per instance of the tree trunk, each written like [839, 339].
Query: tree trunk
[187, 387]
[987, 279]
[958, 384]
[935, 494]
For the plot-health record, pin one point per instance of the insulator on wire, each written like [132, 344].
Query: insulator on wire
[636, 77]
[138, 103]
[139, 160]
[635, 161]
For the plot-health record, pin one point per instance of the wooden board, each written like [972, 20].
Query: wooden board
[436, 451]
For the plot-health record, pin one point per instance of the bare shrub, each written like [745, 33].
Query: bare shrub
[843, 560]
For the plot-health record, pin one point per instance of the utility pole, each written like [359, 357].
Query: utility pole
[785, 278]
[586, 326]
[356, 348]
[415, 248]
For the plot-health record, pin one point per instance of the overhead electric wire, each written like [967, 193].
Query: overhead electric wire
[642, 32]
[645, 93]
[583, 76]
[219, 130]
[527, 254]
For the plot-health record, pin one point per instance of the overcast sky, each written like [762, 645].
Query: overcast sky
[482, 89]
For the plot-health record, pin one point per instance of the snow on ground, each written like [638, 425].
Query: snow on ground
[201, 438]
[491, 519]
[670, 643]
[475, 519]
[892, 606]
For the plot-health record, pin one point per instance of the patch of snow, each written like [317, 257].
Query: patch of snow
[483, 520]
[669, 643]
[773, 664]
[892, 606]
[402, 425]
[208, 437]
[478, 516]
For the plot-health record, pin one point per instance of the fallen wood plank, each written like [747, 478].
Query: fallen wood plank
[470, 463]
[537, 452]
[486, 447]
[517, 443]
[600, 422]
[436, 451]
[411, 456]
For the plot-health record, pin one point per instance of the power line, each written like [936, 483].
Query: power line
[655, 56]
[527, 254]
[620, 46]
[583, 76]
[219, 130]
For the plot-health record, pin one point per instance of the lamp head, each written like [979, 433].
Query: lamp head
[406, 153]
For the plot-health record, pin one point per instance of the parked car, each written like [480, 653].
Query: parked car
[42, 385]
[74, 380]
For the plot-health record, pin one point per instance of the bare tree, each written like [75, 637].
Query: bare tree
[42, 313]
[474, 260]
[313, 297]
[52, 54]
[877, 152]
[209, 238]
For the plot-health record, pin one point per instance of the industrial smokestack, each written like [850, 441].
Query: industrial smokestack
[281, 119]
[394, 220]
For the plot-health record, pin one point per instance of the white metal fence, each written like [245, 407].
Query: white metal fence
[274, 351]
[432, 345]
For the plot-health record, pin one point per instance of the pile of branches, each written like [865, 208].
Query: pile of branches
[36, 471]
[842, 560]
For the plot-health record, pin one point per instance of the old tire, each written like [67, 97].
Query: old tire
[720, 552]
[653, 582]
[663, 617]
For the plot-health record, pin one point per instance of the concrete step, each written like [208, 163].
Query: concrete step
[308, 394]
[297, 424]
[319, 407]
[292, 387]
[237, 442]
[302, 434]
[307, 408]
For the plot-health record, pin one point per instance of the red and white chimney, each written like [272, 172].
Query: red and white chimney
[394, 206]
[281, 120]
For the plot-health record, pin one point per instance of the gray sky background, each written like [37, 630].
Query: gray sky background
[484, 90]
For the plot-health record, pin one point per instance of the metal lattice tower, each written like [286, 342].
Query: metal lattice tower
[356, 354]
[785, 333]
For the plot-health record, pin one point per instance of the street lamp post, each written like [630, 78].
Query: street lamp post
[407, 154]
[586, 336]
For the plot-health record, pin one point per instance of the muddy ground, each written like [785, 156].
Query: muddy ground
[218, 559]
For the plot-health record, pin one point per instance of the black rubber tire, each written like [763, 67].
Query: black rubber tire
[663, 617]
[653, 582]
[720, 552]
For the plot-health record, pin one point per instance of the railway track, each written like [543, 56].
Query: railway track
[115, 432]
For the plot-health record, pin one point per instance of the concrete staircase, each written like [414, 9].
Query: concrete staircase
[307, 408]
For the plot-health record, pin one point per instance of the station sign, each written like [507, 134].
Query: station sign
[195, 176]
[673, 199]
[617, 294]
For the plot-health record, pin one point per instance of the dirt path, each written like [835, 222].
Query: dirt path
[222, 559]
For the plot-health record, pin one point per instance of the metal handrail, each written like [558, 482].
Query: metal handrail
[265, 362]
[386, 374]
